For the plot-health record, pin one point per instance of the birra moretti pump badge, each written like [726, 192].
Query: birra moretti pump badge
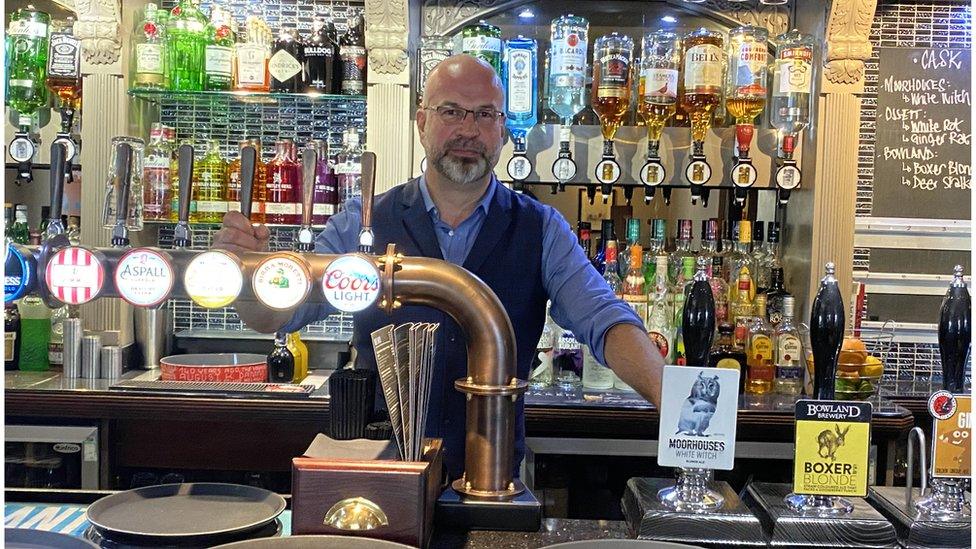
[698, 417]
[351, 283]
[832, 442]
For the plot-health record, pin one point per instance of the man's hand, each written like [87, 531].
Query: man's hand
[237, 235]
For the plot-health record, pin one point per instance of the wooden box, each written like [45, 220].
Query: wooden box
[390, 500]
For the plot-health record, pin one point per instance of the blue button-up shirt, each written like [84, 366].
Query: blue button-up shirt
[581, 300]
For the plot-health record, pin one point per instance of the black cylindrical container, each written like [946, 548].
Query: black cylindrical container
[351, 397]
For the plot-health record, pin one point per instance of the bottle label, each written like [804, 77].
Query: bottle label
[281, 208]
[155, 162]
[283, 66]
[211, 206]
[761, 372]
[786, 372]
[568, 61]
[323, 209]
[471, 44]
[28, 28]
[218, 61]
[519, 81]
[63, 59]
[149, 59]
[613, 71]
[750, 64]
[9, 343]
[760, 349]
[251, 64]
[729, 363]
[353, 69]
[662, 343]
[348, 168]
[660, 85]
[788, 349]
[703, 69]
[794, 69]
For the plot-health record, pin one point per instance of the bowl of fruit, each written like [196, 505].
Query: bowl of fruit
[858, 372]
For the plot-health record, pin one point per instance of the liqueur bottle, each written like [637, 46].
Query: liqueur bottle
[654, 249]
[35, 334]
[251, 57]
[209, 186]
[64, 69]
[219, 53]
[259, 188]
[742, 308]
[725, 354]
[186, 47]
[720, 291]
[709, 242]
[745, 96]
[698, 317]
[349, 168]
[633, 237]
[955, 333]
[789, 353]
[660, 313]
[610, 275]
[483, 41]
[285, 66]
[682, 249]
[760, 352]
[584, 234]
[827, 317]
[775, 297]
[606, 235]
[702, 51]
[352, 57]
[633, 290]
[657, 99]
[758, 252]
[612, 84]
[156, 175]
[284, 185]
[521, 99]
[325, 196]
[792, 95]
[566, 84]
[281, 361]
[321, 57]
[740, 258]
[299, 352]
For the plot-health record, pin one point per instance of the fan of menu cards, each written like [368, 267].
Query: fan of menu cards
[405, 359]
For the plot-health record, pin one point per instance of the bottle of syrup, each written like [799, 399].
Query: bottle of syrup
[281, 361]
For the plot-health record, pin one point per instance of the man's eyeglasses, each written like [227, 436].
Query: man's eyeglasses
[452, 116]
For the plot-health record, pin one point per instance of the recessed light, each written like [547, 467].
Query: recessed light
[669, 19]
[526, 14]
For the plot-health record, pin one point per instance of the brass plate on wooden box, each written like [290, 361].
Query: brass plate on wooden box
[390, 500]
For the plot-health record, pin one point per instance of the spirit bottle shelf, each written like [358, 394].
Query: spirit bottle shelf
[157, 96]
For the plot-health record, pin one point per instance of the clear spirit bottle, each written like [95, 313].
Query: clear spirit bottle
[219, 53]
[156, 176]
[595, 375]
[484, 41]
[352, 57]
[521, 89]
[660, 313]
[348, 168]
[567, 66]
[186, 47]
[610, 275]
[682, 249]
[792, 88]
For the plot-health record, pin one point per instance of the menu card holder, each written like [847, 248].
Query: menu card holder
[375, 498]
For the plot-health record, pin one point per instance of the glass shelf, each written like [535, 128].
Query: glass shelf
[203, 225]
[156, 96]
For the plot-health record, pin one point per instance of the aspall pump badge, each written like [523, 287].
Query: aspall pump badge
[832, 442]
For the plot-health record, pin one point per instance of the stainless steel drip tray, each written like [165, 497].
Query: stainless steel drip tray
[915, 532]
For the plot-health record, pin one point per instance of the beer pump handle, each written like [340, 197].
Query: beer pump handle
[305, 237]
[58, 154]
[181, 234]
[698, 318]
[368, 186]
[827, 317]
[249, 161]
[955, 333]
[123, 179]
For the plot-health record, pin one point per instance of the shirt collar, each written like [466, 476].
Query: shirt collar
[484, 205]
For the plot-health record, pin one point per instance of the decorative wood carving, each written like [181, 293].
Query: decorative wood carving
[387, 35]
[98, 27]
[774, 19]
[848, 27]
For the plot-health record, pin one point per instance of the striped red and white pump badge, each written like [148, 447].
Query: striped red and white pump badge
[74, 275]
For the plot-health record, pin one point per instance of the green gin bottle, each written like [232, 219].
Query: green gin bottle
[186, 45]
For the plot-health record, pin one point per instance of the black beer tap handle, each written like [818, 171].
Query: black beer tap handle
[827, 318]
[249, 162]
[955, 333]
[58, 153]
[698, 318]
[181, 234]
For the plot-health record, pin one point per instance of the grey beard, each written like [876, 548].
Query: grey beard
[461, 172]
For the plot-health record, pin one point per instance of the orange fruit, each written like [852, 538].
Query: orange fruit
[853, 352]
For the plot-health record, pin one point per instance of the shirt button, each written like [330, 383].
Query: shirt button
[452, 339]
[450, 233]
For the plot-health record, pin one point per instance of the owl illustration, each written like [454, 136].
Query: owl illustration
[699, 407]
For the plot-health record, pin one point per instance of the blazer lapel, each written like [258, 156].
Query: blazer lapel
[416, 221]
[493, 230]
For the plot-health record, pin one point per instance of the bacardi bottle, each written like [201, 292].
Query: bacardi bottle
[209, 186]
[219, 53]
[285, 66]
[612, 84]
[702, 95]
[251, 57]
[148, 56]
[657, 99]
[566, 84]
[483, 41]
[284, 185]
[745, 97]
[521, 99]
[186, 47]
[352, 54]
[321, 57]
[792, 97]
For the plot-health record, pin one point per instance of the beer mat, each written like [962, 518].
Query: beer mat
[324, 447]
[386, 364]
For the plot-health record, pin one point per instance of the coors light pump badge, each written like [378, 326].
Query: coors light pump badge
[832, 442]
[351, 283]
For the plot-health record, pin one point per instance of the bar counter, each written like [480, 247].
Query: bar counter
[220, 433]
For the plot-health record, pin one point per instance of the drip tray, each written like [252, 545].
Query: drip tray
[210, 388]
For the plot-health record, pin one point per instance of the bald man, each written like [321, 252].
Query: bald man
[459, 212]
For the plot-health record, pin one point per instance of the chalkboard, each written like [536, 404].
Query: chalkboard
[922, 165]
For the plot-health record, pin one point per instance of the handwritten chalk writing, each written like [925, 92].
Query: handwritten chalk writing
[908, 153]
[941, 59]
[892, 84]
